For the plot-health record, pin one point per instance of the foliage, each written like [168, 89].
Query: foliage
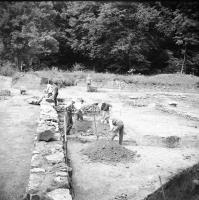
[7, 69]
[147, 38]
[78, 67]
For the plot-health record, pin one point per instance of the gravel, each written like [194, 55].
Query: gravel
[109, 151]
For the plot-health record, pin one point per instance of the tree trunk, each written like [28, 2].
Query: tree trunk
[16, 61]
[184, 59]
[129, 59]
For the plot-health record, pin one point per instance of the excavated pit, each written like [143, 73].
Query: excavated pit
[183, 186]
[97, 148]
[100, 165]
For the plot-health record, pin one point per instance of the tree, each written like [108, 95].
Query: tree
[146, 37]
[31, 30]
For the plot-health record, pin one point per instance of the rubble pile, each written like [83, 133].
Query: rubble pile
[5, 93]
[121, 197]
[92, 108]
[33, 100]
[49, 174]
[110, 151]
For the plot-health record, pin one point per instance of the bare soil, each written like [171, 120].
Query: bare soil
[18, 121]
[166, 142]
[148, 132]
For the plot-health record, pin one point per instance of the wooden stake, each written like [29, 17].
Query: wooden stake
[162, 189]
[95, 126]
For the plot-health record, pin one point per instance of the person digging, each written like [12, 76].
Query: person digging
[69, 117]
[116, 126]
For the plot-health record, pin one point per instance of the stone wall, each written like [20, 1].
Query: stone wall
[49, 173]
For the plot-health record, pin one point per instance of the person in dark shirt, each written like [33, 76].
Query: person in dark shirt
[105, 108]
[69, 117]
[55, 93]
[116, 126]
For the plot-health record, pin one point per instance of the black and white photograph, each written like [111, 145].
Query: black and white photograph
[99, 100]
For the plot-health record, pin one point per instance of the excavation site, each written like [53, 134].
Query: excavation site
[158, 157]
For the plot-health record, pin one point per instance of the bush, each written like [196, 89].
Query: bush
[64, 82]
[7, 69]
[78, 67]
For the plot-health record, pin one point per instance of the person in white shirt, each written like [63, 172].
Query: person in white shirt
[105, 109]
[79, 105]
[48, 91]
[116, 126]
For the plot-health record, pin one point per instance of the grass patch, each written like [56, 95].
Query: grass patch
[66, 78]
[59, 77]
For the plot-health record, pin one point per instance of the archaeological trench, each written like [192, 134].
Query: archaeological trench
[85, 165]
[54, 175]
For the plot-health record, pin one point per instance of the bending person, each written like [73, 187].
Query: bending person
[117, 126]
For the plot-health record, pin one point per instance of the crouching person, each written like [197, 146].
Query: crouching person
[117, 126]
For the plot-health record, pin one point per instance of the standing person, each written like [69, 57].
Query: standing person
[88, 82]
[69, 117]
[79, 112]
[48, 91]
[55, 93]
[105, 108]
[116, 126]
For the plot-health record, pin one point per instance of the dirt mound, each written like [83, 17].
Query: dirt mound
[110, 151]
[92, 108]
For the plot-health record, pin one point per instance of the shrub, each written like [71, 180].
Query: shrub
[7, 69]
[78, 67]
[64, 82]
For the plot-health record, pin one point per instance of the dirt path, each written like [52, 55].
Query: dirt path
[17, 126]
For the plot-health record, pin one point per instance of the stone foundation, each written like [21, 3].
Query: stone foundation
[49, 173]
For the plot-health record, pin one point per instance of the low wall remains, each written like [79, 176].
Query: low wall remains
[49, 173]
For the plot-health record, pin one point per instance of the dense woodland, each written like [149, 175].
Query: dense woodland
[139, 37]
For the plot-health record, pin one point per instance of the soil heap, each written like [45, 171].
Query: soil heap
[109, 151]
